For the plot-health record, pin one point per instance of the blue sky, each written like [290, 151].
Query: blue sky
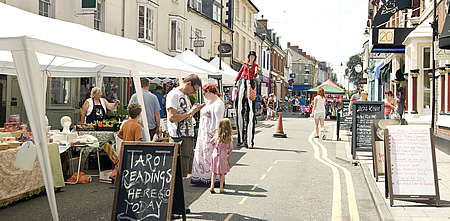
[329, 30]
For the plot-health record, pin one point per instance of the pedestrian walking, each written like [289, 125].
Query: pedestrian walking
[302, 104]
[270, 107]
[389, 103]
[319, 111]
[264, 107]
[246, 118]
[355, 97]
[219, 162]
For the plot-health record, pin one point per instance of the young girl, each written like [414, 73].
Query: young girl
[219, 163]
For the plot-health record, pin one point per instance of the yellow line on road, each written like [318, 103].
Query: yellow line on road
[270, 168]
[336, 212]
[228, 217]
[262, 177]
[254, 187]
[243, 200]
[352, 206]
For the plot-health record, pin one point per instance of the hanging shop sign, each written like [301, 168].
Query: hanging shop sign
[388, 9]
[389, 40]
[440, 53]
[225, 48]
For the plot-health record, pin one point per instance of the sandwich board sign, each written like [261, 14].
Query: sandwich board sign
[411, 162]
[149, 182]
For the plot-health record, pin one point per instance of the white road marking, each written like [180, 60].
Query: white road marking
[336, 212]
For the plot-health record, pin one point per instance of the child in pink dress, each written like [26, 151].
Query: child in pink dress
[219, 163]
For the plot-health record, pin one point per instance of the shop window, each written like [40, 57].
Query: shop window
[426, 79]
[60, 91]
[176, 35]
[146, 22]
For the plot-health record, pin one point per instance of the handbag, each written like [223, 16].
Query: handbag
[234, 94]
[251, 92]
[394, 114]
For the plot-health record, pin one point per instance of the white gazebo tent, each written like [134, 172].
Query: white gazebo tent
[24, 34]
[229, 74]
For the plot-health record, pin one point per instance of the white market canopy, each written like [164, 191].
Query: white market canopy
[229, 74]
[192, 59]
[26, 35]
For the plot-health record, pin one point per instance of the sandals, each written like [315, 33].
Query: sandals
[212, 190]
[222, 191]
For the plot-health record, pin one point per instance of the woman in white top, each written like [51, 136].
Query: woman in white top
[210, 116]
[319, 111]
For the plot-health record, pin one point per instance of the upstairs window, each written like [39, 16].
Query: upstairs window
[176, 35]
[98, 17]
[216, 12]
[146, 21]
[60, 91]
[198, 5]
[44, 8]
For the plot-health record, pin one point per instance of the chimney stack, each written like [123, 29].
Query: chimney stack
[263, 21]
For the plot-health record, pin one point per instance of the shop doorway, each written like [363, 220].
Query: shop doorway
[14, 103]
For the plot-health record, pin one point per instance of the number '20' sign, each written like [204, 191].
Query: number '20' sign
[386, 36]
[440, 54]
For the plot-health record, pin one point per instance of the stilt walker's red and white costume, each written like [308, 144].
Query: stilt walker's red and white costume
[246, 118]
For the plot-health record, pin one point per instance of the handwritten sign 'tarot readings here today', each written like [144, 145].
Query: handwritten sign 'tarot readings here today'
[412, 162]
[145, 183]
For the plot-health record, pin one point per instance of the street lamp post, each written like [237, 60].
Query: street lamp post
[434, 25]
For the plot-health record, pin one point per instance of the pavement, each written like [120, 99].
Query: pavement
[403, 209]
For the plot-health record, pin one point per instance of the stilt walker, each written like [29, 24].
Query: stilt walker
[245, 104]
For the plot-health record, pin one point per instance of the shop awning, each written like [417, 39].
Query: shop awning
[386, 70]
[301, 87]
[389, 40]
[444, 38]
[329, 89]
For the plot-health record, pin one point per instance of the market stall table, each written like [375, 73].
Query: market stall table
[16, 184]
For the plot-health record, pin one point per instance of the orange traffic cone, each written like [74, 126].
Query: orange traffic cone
[280, 133]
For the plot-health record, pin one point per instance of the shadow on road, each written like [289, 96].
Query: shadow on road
[288, 150]
[219, 216]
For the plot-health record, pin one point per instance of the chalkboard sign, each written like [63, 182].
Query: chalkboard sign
[411, 160]
[378, 153]
[149, 183]
[363, 113]
[345, 121]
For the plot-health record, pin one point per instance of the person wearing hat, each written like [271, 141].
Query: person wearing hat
[246, 118]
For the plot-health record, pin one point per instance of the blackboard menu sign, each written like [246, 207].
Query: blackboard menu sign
[363, 113]
[149, 184]
[345, 121]
[411, 161]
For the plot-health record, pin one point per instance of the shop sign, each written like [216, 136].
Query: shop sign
[272, 85]
[363, 80]
[291, 86]
[292, 75]
[278, 81]
[440, 54]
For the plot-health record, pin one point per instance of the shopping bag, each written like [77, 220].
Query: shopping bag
[26, 156]
[251, 92]
[234, 94]
[82, 178]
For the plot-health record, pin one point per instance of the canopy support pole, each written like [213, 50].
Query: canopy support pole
[31, 82]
